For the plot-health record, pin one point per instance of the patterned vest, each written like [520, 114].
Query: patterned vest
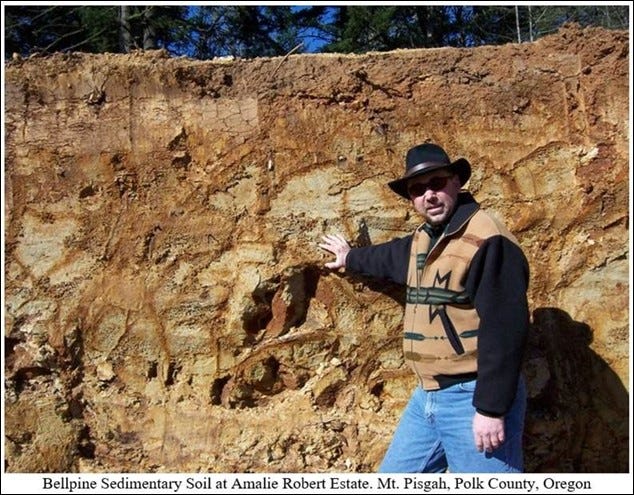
[441, 323]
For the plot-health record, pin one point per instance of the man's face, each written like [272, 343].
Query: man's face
[434, 195]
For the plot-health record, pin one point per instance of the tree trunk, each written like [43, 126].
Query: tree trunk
[124, 29]
[530, 24]
[517, 24]
[149, 36]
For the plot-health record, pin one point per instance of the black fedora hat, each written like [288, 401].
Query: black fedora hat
[425, 158]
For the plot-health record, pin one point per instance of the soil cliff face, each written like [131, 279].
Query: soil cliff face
[166, 305]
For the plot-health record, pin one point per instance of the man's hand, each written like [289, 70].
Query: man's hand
[338, 246]
[488, 433]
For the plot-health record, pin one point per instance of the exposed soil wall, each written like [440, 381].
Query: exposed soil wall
[166, 305]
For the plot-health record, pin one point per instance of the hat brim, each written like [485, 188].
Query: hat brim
[461, 167]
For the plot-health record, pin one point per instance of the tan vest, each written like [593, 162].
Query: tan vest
[441, 324]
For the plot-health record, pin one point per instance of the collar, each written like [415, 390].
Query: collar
[434, 231]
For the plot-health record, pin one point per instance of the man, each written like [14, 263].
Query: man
[465, 325]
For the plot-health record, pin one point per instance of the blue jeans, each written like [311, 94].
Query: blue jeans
[435, 434]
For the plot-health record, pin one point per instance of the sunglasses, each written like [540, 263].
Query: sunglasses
[435, 184]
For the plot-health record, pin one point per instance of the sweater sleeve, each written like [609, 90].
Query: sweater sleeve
[388, 260]
[497, 282]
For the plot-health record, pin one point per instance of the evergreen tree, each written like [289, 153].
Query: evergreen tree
[208, 31]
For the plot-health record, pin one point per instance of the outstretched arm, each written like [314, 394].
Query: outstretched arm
[338, 246]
